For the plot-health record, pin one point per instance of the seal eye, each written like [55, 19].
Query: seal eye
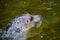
[31, 19]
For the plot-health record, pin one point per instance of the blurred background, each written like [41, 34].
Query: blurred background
[49, 9]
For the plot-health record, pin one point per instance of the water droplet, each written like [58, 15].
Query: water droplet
[41, 36]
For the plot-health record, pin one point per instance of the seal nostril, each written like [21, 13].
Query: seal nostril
[31, 19]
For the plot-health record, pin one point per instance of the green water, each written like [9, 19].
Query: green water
[49, 9]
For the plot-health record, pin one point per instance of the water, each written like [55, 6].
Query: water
[49, 9]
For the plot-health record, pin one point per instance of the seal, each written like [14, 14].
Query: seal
[21, 25]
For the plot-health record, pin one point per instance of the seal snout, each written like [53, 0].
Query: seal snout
[37, 18]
